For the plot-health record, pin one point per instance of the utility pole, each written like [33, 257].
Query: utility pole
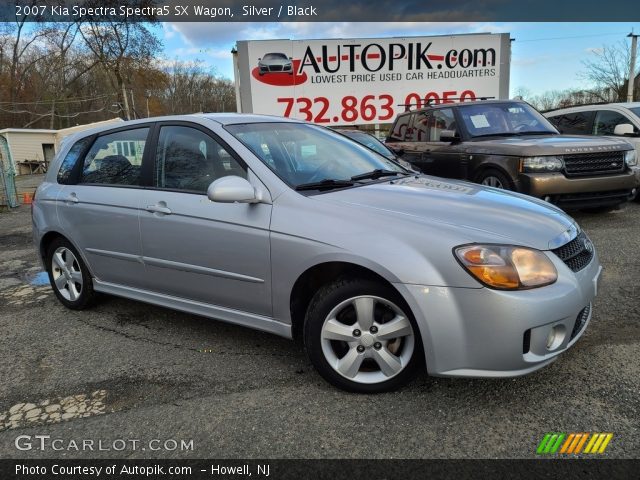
[632, 66]
[147, 95]
[133, 104]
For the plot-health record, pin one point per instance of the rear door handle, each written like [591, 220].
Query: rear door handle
[160, 207]
[71, 198]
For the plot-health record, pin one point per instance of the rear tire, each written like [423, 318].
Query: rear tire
[69, 276]
[361, 336]
[496, 179]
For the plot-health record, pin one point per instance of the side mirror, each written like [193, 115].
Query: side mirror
[449, 136]
[290, 58]
[623, 129]
[260, 59]
[232, 189]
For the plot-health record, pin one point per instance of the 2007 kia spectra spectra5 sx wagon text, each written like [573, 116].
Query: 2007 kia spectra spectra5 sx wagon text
[293, 229]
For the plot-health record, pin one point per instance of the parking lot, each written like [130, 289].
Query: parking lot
[126, 370]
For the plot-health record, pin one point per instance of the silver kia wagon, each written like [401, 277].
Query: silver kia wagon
[293, 229]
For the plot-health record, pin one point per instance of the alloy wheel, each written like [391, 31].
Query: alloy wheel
[367, 339]
[67, 276]
[492, 181]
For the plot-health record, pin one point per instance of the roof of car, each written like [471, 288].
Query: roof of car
[593, 106]
[234, 118]
[221, 118]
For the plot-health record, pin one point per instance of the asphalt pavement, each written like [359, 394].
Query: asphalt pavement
[130, 373]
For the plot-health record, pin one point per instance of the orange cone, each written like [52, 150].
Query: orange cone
[27, 198]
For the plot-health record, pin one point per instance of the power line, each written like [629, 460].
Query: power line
[60, 102]
[16, 112]
[569, 37]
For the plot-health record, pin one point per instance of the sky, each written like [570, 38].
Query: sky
[545, 56]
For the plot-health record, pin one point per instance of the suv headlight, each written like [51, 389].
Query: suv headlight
[630, 158]
[506, 267]
[542, 164]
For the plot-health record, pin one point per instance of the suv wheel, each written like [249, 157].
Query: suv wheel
[68, 275]
[361, 337]
[494, 178]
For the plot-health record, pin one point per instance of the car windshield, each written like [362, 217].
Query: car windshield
[371, 142]
[301, 154]
[497, 119]
[636, 110]
[275, 56]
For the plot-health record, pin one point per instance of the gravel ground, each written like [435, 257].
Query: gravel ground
[126, 370]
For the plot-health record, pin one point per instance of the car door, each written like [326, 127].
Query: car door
[605, 123]
[98, 206]
[438, 157]
[216, 253]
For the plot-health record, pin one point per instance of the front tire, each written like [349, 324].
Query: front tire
[68, 275]
[496, 179]
[361, 337]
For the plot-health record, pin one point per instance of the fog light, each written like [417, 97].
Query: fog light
[555, 337]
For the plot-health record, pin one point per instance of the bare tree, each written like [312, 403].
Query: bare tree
[608, 70]
[120, 46]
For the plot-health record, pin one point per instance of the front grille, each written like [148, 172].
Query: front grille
[581, 319]
[577, 253]
[581, 164]
[275, 68]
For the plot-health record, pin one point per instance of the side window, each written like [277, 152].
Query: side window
[66, 168]
[441, 119]
[420, 131]
[573, 123]
[189, 159]
[606, 121]
[411, 132]
[400, 128]
[115, 158]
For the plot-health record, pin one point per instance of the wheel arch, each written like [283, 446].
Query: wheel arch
[49, 237]
[490, 165]
[309, 281]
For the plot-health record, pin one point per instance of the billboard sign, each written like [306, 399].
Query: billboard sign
[367, 81]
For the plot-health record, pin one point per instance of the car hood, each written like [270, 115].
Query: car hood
[534, 145]
[479, 214]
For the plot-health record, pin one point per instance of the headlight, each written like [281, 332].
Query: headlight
[630, 158]
[506, 267]
[542, 164]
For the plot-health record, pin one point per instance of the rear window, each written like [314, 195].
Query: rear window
[115, 158]
[576, 123]
[70, 160]
[400, 128]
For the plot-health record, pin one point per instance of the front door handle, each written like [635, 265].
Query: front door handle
[159, 207]
[71, 198]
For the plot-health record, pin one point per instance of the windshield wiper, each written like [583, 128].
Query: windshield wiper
[503, 134]
[537, 132]
[514, 134]
[326, 184]
[377, 173]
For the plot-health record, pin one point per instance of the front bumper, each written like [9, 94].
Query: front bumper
[480, 332]
[582, 191]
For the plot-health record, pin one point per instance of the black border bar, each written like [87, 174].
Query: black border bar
[320, 469]
[321, 10]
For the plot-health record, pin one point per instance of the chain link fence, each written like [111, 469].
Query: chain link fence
[8, 192]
